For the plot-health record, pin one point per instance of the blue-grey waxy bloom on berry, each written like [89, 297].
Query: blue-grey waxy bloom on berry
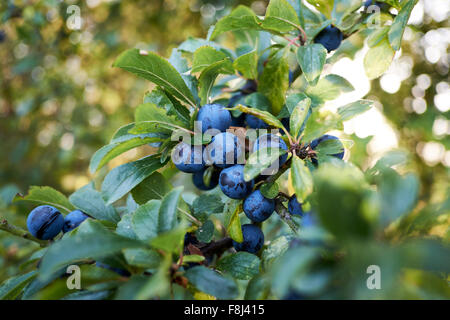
[224, 150]
[197, 179]
[271, 141]
[325, 137]
[232, 183]
[253, 239]
[45, 222]
[330, 38]
[257, 207]
[214, 116]
[73, 220]
[188, 158]
[294, 206]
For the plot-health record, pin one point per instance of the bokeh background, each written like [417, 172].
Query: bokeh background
[61, 100]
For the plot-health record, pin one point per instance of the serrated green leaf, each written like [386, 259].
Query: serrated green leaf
[342, 9]
[329, 87]
[247, 64]
[275, 250]
[378, 59]
[205, 232]
[280, 17]
[398, 26]
[258, 288]
[267, 117]
[323, 6]
[145, 220]
[276, 71]
[47, 196]
[241, 265]
[151, 118]
[270, 190]
[165, 100]
[301, 178]
[10, 289]
[298, 116]
[241, 18]
[142, 258]
[260, 160]
[155, 186]
[83, 245]
[207, 56]
[170, 241]
[168, 211]
[354, 108]
[212, 283]
[232, 221]
[208, 77]
[152, 67]
[319, 123]
[90, 201]
[206, 205]
[311, 59]
[124, 178]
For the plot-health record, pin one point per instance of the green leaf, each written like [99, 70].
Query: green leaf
[293, 100]
[212, 283]
[114, 149]
[155, 186]
[398, 26]
[168, 211]
[274, 250]
[241, 265]
[124, 178]
[301, 177]
[170, 241]
[241, 18]
[125, 227]
[298, 116]
[320, 123]
[247, 64]
[267, 117]
[90, 201]
[152, 67]
[311, 59]
[280, 17]
[274, 80]
[270, 190]
[207, 204]
[329, 87]
[47, 196]
[142, 258]
[208, 77]
[343, 8]
[145, 220]
[353, 109]
[346, 207]
[258, 288]
[205, 232]
[151, 118]
[232, 221]
[165, 100]
[207, 56]
[378, 59]
[398, 195]
[12, 288]
[330, 147]
[323, 6]
[95, 244]
[261, 160]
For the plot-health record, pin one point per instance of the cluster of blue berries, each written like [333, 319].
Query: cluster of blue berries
[221, 159]
[46, 222]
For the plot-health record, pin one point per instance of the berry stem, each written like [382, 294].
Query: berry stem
[5, 226]
[285, 216]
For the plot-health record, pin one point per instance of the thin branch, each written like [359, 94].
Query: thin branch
[285, 216]
[16, 231]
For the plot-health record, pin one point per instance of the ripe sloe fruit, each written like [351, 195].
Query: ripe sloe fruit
[257, 207]
[73, 220]
[232, 183]
[214, 116]
[188, 158]
[330, 38]
[45, 222]
[253, 239]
